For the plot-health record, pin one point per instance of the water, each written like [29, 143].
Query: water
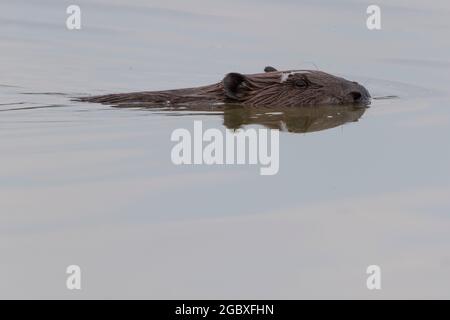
[92, 185]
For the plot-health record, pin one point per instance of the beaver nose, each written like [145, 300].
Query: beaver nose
[357, 93]
[355, 96]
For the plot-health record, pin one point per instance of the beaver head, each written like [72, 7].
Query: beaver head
[294, 87]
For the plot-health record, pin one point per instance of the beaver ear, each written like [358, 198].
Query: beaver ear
[269, 69]
[234, 85]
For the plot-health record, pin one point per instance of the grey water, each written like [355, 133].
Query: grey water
[94, 186]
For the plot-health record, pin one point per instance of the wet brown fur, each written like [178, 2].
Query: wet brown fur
[282, 88]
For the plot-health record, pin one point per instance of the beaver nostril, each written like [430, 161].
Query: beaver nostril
[355, 95]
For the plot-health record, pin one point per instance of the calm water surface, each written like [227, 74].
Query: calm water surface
[92, 185]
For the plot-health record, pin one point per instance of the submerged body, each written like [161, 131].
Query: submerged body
[272, 88]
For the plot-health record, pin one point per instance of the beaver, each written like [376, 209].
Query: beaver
[271, 88]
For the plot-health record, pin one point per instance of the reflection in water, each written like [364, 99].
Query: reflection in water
[300, 119]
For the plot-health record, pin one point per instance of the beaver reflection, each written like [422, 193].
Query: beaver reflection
[297, 120]
[291, 119]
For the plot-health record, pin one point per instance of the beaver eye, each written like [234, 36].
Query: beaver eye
[301, 83]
